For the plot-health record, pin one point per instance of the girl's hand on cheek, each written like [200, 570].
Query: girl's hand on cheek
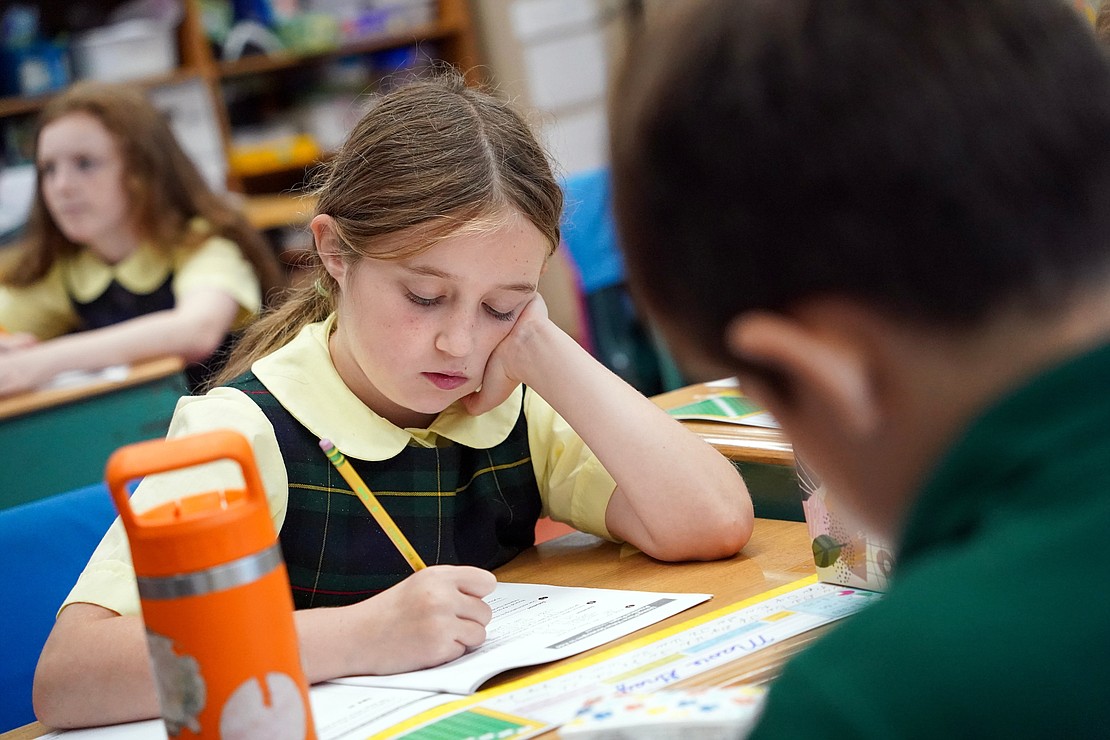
[433, 616]
[505, 369]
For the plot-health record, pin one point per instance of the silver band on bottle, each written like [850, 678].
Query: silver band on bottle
[217, 578]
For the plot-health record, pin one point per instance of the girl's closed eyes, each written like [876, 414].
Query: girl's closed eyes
[499, 315]
[418, 300]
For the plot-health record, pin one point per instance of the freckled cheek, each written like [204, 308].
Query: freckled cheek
[409, 329]
[401, 333]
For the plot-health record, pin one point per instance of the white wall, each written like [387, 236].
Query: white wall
[554, 57]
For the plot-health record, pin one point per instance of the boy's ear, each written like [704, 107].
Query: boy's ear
[825, 373]
[327, 246]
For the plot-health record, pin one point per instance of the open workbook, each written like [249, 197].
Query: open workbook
[535, 624]
[532, 624]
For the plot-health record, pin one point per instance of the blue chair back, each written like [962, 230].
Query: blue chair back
[45, 545]
[622, 339]
[588, 230]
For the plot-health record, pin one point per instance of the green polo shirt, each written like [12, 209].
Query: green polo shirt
[997, 622]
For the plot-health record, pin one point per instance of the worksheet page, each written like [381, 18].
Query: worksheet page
[531, 624]
[535, 624]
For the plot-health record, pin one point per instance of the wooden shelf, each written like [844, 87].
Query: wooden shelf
[452, 32]
[16, 106]
[263, 63]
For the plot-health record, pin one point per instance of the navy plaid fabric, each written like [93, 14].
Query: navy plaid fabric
[456, 504]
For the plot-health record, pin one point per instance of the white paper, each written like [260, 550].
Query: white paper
[554, 697]
[535, 624]
[551, 698]
[151, 729]
[339, 713]
[531, 624]
[77, 378]
[355, 712]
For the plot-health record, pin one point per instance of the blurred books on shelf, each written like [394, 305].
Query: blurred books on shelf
[250, 155]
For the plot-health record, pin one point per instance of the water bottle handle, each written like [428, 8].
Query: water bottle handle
[162, 455]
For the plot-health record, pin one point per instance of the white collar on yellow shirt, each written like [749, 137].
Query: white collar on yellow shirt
[303, 379]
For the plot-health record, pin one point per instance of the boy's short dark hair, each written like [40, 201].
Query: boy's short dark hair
[938, 159]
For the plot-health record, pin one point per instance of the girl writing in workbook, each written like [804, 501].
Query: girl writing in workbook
[423, 352]
[128, 254]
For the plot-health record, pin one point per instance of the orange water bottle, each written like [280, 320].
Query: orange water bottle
[215, 597]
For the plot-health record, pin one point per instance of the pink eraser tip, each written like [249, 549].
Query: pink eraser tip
[326, 445]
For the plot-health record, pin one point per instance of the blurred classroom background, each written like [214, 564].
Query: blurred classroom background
[260, 92]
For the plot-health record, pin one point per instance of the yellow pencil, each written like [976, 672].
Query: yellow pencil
[371, 503]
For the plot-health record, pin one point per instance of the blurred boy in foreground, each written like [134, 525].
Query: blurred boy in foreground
[892, 221]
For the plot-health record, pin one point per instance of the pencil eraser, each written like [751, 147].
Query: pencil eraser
[326, 445]
[672, 714]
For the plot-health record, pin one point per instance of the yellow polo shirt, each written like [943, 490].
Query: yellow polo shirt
[45, 309]
[573, 485]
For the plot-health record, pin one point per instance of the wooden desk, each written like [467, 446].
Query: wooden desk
[57, 440]
[764, 456]
[779, 553]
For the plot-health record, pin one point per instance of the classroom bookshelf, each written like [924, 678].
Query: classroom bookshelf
[272, 91]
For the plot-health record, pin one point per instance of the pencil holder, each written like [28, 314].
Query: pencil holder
[215, 597]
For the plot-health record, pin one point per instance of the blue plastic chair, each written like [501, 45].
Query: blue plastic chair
[622, 340]
[588, 230]
[45, 545]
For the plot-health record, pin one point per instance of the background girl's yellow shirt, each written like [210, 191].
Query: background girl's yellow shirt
[45, 309]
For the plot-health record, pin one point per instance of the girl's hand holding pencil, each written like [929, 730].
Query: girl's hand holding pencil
[431, 617]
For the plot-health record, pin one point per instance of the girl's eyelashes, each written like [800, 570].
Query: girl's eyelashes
[421, 301]
[418, 300]
[506, 316]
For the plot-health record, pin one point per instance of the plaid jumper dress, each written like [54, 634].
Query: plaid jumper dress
[456, 504]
